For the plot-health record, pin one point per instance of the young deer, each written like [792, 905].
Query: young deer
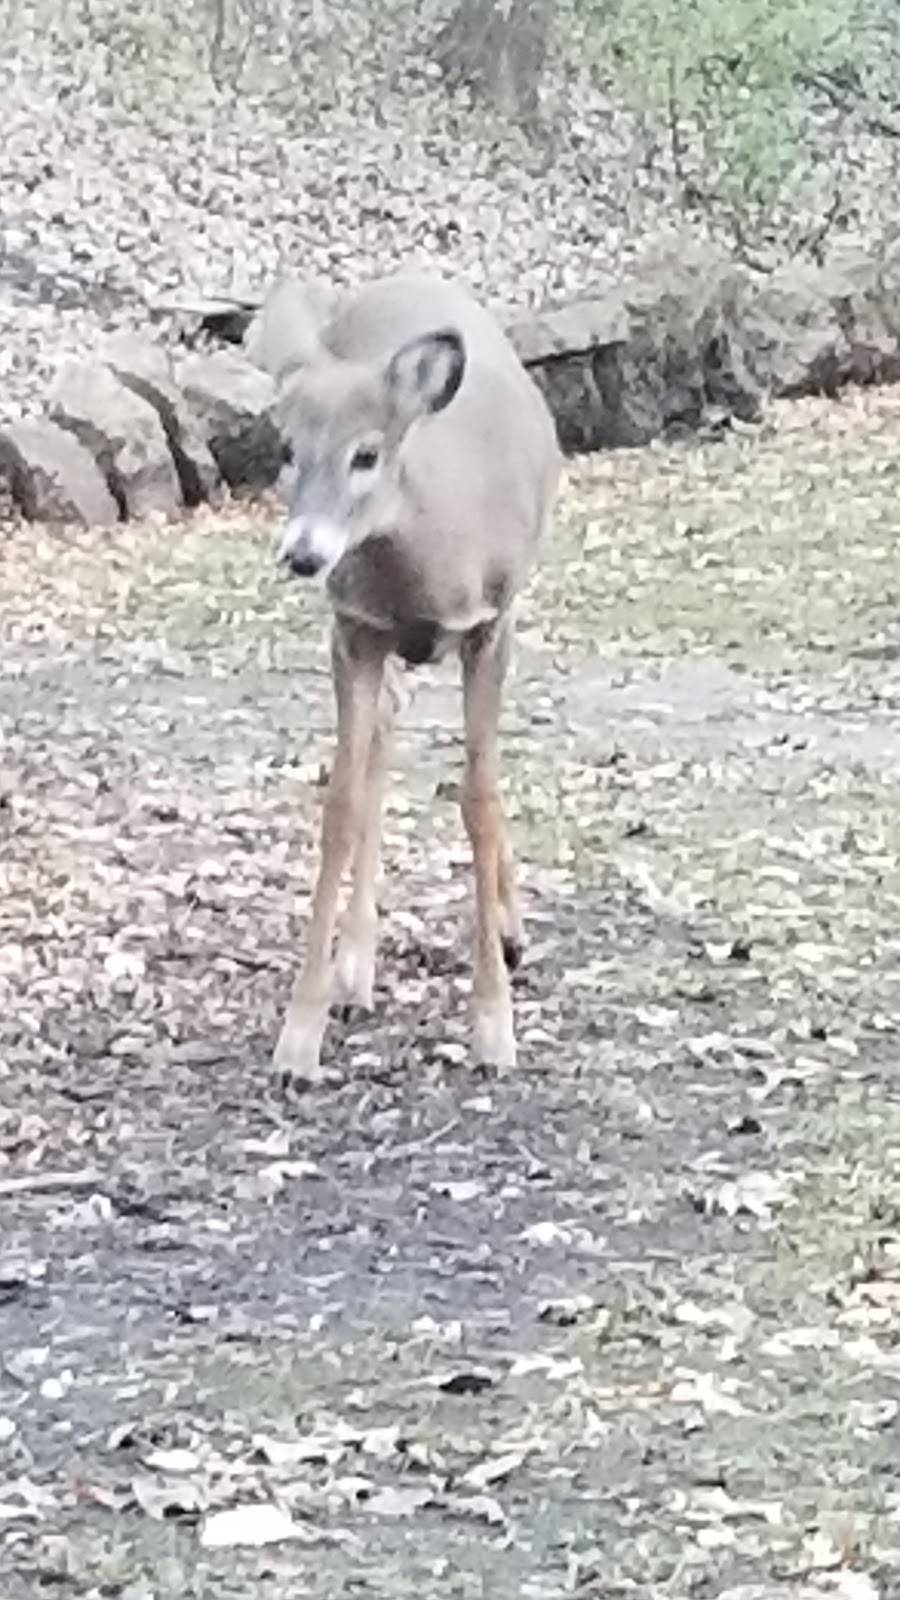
[426, 468]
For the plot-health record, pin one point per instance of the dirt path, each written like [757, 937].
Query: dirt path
[625, 1322]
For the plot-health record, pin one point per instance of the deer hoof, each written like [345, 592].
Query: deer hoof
[297, 1053]
[494, 1043]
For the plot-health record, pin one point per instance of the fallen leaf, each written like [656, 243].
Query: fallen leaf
[164, 1499]
[494, 1470]
[480, 1507]
[711, 1394]
[292, 1452]
[461, 1189]
[174, 1461]
[403, 1502]
[252, 1525]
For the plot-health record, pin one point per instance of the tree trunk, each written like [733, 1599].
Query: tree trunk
[498, 49]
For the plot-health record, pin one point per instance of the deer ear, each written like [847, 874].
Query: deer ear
[287, 333]
[424, 375]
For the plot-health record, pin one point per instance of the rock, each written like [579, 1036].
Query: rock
[583, 404]
[795, 340]
[568, 351]
[10, 511]
[683, 363]
[692, 338]
[571, 330]
[812, 330]
[231, 401]
[657, 354]
[865, 294]
[213, 316]
[52, 477]
[124, 435]
[146, 368]
[888, 277]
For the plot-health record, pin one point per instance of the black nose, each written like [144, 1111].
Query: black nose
[302, 563]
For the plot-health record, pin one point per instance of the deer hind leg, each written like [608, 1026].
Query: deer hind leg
[485, 657]
[512, 933]
[358, 941]
[357, 667]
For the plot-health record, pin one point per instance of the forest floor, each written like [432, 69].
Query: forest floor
[622, 1322]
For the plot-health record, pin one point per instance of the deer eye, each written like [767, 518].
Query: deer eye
[364, 458]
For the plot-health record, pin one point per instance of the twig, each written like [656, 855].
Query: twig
[814, 240]
[50, 1182]
[851, 100]
[413, 1147]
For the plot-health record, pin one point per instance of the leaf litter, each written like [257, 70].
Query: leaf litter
[428, 1331]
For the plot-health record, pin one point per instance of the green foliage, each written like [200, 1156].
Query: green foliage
[722, 78]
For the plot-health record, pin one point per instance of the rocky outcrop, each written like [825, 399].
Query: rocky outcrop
[693, 338]
[688, 341]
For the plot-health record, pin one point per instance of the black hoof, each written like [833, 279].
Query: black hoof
[294, 1085]
[512, 953]
[352, 1014]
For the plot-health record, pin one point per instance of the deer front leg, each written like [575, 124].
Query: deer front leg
[357, 944]
[485, 658]
[357, 667]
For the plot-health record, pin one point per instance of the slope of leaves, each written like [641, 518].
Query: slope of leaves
[145, 160]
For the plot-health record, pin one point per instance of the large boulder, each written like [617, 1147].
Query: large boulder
[684, 362]
[658, 353]
[568, 350]
[813, 330]
[51, 477]
[146, 369]
[124, 435]
[231, 400]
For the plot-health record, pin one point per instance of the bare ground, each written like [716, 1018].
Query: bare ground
[624, 1322]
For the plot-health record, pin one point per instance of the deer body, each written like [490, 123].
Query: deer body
[427, 466]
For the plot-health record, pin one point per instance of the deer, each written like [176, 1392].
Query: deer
[425, 468]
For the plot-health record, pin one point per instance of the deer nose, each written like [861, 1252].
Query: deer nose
[303, 563]
[299, 551]
[311, 544]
